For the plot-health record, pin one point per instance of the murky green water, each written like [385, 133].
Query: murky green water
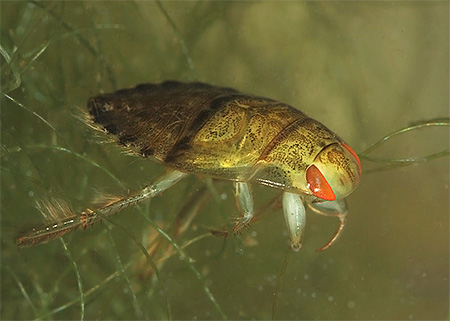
[364, 69]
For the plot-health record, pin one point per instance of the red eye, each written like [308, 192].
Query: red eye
[353, 153]
[318, 184]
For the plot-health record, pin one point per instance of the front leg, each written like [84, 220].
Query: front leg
[295, 215]
[334, 208]
[244, 200]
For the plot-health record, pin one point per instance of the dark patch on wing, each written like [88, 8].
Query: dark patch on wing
[182, 145]
[145, 116]
[147, 152]
[200, 120]
[98, 107]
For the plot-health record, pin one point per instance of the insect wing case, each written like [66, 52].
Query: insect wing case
[203, 129]
[154, 117]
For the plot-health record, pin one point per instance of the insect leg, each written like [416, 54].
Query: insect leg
[295, 215]
[58, 227]
[168, 179]
[165, 181]
[244, 200]
[335, 208]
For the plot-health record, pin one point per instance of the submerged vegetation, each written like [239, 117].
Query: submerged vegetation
[159, 260]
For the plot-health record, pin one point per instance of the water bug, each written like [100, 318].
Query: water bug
[196, 128]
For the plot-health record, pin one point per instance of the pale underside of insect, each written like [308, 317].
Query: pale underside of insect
[195, 128]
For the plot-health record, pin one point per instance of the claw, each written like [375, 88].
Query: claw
[242, 222]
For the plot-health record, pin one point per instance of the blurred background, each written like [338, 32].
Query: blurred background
[364, 69]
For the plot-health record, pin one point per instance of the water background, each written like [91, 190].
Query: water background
[365, 69]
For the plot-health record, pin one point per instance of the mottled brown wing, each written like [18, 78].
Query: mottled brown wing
[233, 139]
[155, 117]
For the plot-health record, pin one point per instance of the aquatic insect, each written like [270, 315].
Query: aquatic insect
[195, 128]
